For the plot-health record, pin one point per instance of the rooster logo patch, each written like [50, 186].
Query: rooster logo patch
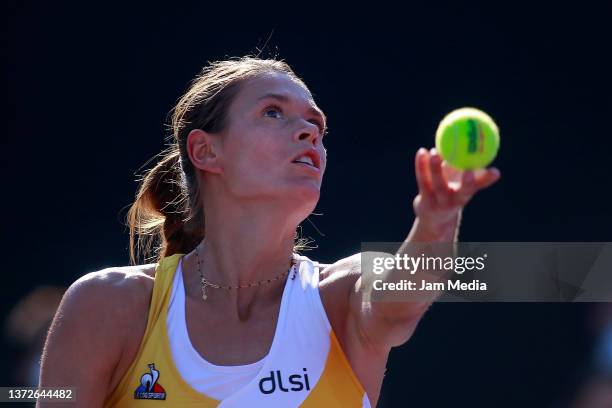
[149, 387]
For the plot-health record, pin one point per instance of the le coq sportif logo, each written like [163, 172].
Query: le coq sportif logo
[277, 382]
[149, 388]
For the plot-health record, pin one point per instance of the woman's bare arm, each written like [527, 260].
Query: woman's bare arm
[89, 332]
[438, 206]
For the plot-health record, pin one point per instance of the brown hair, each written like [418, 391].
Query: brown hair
[167, 214]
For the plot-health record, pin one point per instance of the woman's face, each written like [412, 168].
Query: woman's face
[273, 144]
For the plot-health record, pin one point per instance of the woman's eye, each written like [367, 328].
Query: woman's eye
[276, 113]
[273, 112]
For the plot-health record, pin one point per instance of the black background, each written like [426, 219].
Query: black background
[87, 93]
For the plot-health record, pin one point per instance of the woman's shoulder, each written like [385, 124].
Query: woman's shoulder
[341, 274]
[115, 289]
[135, 273]
[119, 280]
[105, 311]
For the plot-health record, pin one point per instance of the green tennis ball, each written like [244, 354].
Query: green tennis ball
[467, 139]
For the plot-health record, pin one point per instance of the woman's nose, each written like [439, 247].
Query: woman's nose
[309, 132]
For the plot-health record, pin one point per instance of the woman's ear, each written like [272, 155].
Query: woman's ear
[203, 151]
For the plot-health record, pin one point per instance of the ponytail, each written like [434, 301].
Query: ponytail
[160, 215]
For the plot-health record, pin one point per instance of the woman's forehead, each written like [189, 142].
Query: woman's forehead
[274, 84]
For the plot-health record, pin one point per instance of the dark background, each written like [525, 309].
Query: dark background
[87, 94]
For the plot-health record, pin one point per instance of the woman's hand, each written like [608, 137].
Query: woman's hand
[444, 191]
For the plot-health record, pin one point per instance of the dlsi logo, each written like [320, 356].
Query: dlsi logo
[267, 385]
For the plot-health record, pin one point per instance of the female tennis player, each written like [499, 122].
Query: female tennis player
[230, 314]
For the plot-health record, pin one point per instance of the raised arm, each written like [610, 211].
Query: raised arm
[88, 335]
[437, 207]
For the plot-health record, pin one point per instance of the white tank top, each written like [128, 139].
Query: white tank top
[302, 326]
[214, 380]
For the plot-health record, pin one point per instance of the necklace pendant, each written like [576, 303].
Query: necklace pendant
[204, 295]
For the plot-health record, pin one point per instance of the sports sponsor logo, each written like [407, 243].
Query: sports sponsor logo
[149, 388]
[269, 384]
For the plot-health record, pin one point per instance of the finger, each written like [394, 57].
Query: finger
[422, 172]
[451, 175]
[488, 178]
[437, 178]
[472, 182]
[467, 189]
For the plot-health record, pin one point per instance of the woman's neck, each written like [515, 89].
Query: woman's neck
[242, 247]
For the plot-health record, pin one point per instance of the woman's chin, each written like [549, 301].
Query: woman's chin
[308, 189]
